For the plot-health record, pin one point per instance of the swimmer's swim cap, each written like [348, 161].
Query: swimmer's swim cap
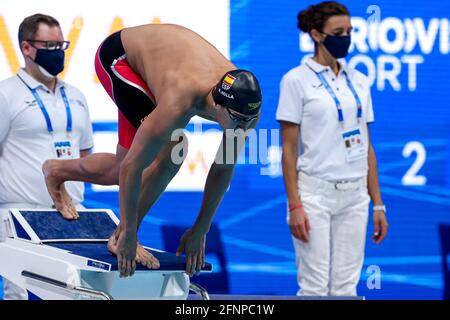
[239, 90]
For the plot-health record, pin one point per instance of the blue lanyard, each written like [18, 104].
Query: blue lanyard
[336, 100]
[45, 113]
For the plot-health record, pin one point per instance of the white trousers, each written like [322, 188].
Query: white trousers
[10, 290]
[330, 263]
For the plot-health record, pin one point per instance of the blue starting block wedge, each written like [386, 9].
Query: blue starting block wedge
[55, 258]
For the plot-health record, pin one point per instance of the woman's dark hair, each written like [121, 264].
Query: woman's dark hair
[315, 16]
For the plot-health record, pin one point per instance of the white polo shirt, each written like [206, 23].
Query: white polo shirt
[305, 101]
[25, 142]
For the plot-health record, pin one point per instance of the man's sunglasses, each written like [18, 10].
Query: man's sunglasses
[51, 45]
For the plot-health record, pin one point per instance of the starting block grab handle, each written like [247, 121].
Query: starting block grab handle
[99, 294]
[198, 289]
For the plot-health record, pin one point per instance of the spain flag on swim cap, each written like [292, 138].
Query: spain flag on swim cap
[229, 80]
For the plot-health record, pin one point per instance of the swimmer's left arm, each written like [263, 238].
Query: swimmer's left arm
[219, 178]
[220, 174]
[217, 183]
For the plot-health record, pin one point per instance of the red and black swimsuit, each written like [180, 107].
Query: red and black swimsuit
[127, 89]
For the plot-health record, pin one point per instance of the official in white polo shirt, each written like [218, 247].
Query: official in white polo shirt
[41, 118]
[329, 164]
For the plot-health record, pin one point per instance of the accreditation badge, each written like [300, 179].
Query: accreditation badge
[354, 144]
[63, 149]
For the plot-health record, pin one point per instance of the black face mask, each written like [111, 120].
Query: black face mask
[51, 61]
[337, 45]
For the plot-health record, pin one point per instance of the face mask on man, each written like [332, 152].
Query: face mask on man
[50, 62]
[337, 45]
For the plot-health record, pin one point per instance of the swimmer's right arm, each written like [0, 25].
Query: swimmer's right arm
[151, 136]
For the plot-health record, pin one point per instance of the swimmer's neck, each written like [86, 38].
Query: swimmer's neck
[205, 108]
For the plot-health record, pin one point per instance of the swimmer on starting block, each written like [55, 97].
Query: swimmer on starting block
[160, 76]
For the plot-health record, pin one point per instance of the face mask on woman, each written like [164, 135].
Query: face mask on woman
[337, 45]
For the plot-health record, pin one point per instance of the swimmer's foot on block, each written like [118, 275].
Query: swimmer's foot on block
[146, 258]
[57, 191]
[143, 257]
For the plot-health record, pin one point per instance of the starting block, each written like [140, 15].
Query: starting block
[58, 259]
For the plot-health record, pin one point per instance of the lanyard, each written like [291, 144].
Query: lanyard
[44, 110]
[336, 100]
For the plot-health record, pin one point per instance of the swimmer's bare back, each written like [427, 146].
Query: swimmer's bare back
[170, 57]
